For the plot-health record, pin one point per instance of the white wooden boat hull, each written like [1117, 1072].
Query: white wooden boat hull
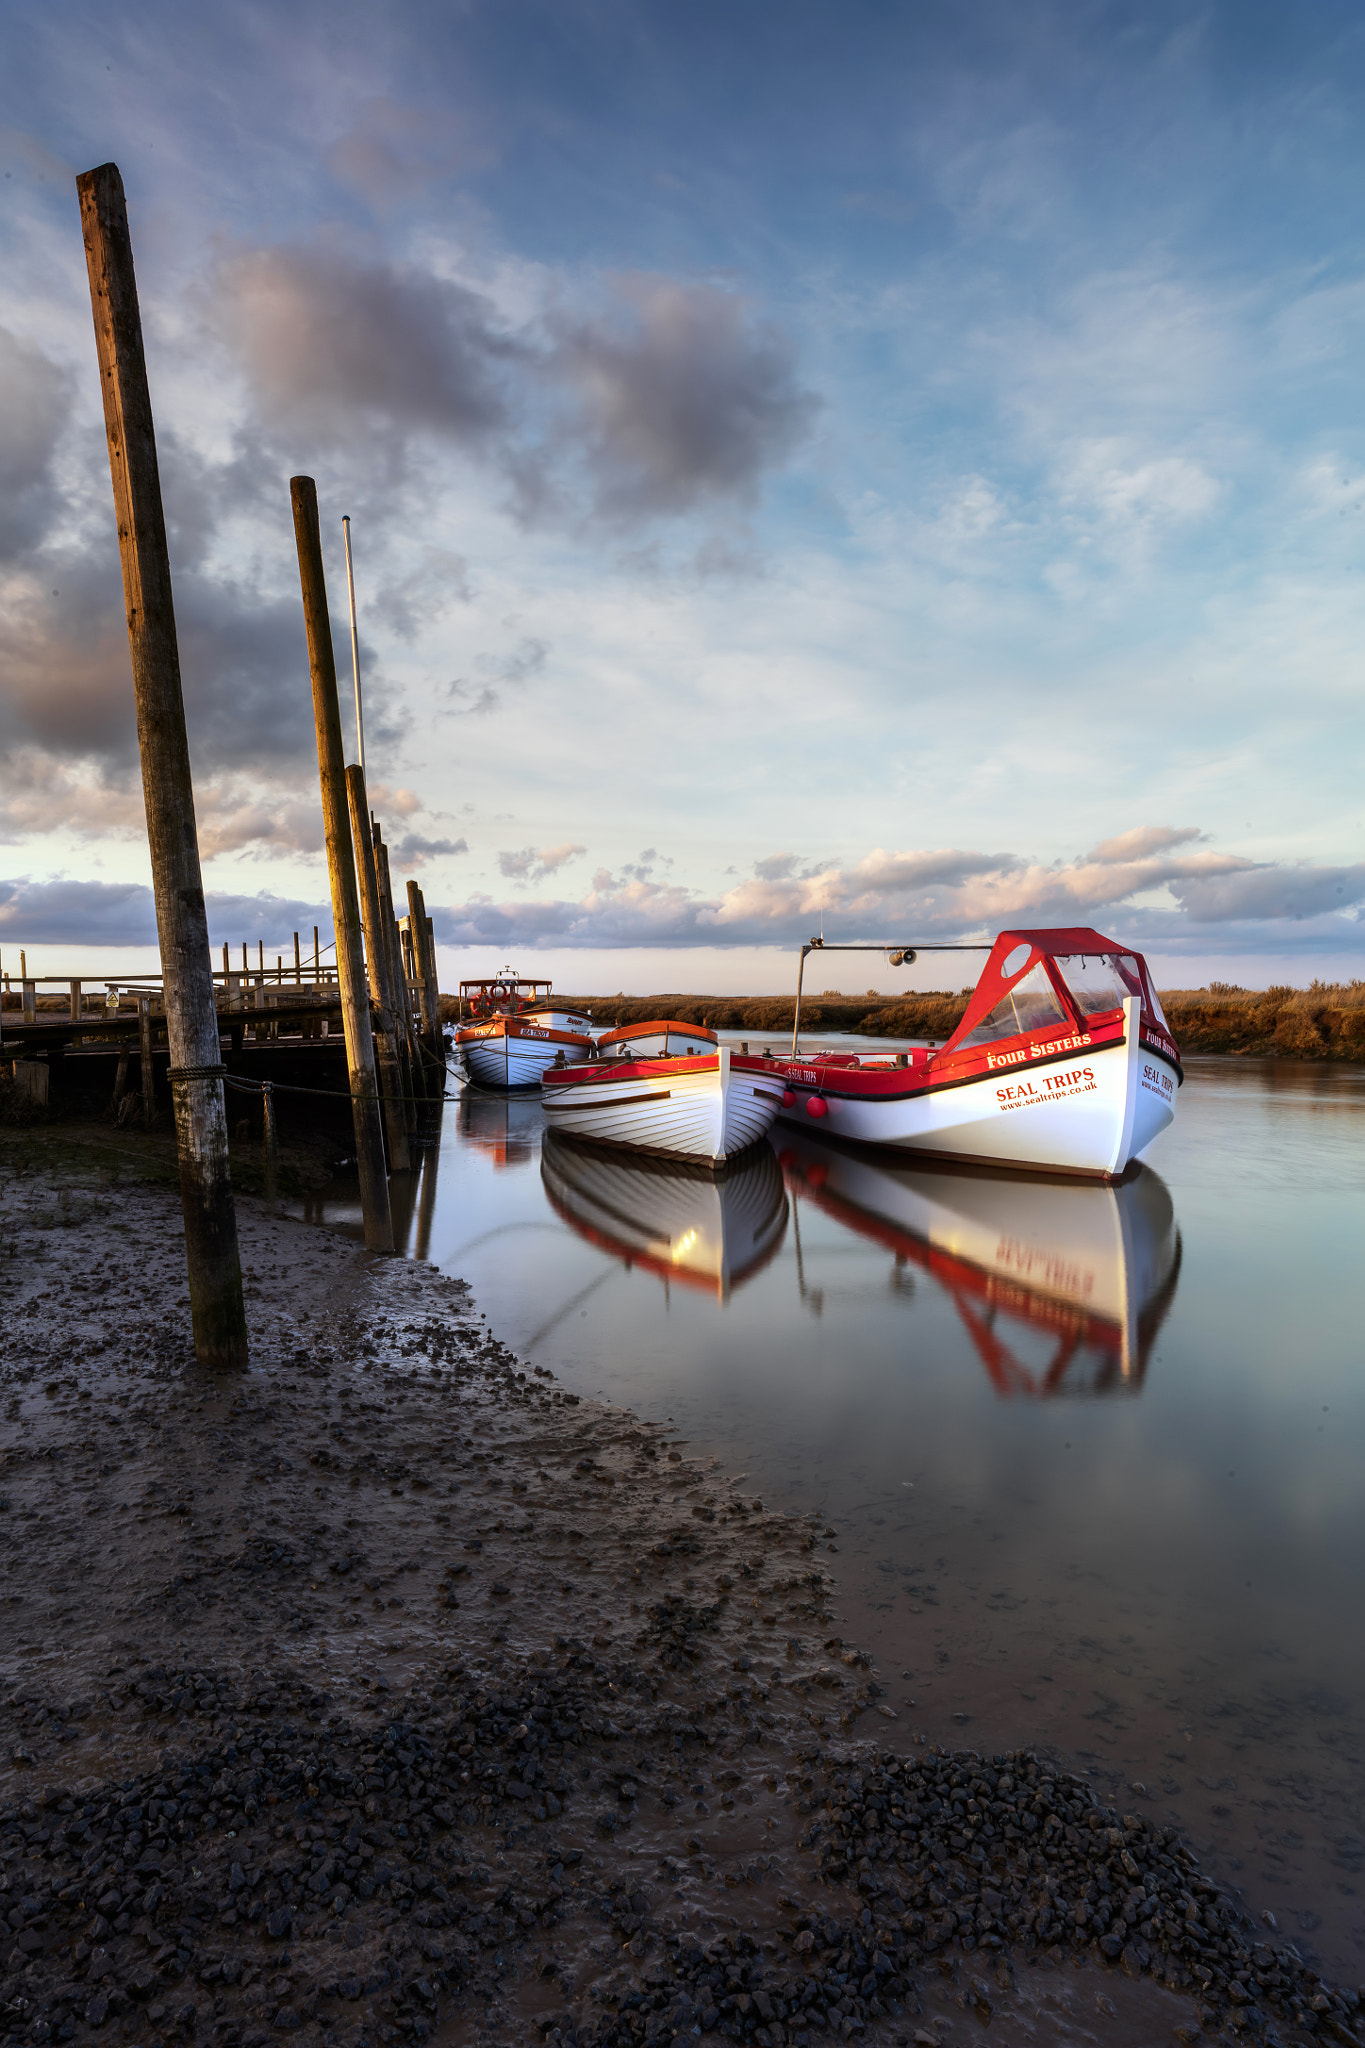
[558, 1019]
[676, 1221]
[509, 1054]
[1091, 1112]
[710, 1107]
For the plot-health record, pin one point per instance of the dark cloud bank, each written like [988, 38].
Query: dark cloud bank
[76, 913]
[661, 401]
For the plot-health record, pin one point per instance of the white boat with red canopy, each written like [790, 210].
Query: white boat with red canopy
[509, 1032]
[1063, 1063]
[665, 1087]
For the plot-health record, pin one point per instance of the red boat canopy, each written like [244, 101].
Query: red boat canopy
[1053, 980]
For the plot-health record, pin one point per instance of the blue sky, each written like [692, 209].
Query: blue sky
[893, 466]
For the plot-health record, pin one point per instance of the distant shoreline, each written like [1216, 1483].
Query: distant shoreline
[1318, 1023]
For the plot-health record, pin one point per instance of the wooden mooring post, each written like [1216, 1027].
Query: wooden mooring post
[424, 970]
[398, 969]
[377, 964]
[355, 1001]
[217, 1311]
[144, 1046]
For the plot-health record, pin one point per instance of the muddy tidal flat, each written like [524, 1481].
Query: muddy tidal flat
[391, 1693]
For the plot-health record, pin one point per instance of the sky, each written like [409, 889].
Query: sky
[894, 470]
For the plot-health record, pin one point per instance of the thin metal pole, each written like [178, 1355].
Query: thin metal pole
[355, 648]
[355, 1000]
[796, 1020]
[217, 1311]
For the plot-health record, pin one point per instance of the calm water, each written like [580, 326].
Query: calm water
[1094, 1456]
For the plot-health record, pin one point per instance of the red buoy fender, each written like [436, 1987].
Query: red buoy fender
[817, 1106]
[788, 1099]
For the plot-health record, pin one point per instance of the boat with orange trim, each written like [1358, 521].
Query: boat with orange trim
[514, 1031]
[664, 1087]
[1062, 1063]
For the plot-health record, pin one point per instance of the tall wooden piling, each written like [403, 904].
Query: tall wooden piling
[355, 1001]
[432, 977]
[421, 967]
[377, 962]
[196, 1071]
[398, 969]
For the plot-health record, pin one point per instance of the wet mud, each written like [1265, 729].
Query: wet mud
[391, 1693]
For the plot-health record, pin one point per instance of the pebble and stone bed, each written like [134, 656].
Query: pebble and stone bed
[393, 1695]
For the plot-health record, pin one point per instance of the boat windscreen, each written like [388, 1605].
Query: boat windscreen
[1155, 1000]
[1100, 981]
[1031, 1005]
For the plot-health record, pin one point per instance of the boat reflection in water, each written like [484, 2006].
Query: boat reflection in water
[674, 1220]
[505, 1127]
[1061, 1285]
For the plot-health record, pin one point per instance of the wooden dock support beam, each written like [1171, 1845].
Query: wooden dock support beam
[215, 1274]
[355, 1001]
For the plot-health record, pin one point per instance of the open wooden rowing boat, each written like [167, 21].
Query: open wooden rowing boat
[1063, 1063]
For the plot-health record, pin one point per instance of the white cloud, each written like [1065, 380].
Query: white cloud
[533, 864]
[930, 894]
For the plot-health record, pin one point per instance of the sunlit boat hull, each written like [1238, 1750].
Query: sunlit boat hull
[509, 1052]
[675, 1221]
[1086, 1103]
[710, 1107]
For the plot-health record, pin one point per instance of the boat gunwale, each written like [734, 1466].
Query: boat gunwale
[938, 1084]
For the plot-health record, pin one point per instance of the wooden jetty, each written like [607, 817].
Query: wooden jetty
[264, 1014]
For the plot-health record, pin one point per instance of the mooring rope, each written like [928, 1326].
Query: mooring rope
[338, 1094]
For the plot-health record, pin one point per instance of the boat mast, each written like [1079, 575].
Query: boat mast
[355, 647]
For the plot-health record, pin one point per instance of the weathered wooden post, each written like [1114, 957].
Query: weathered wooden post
[425, 948]
[120, 1078]
[417, 932]
[144, 1041]
[398, 969]
[196, 1071]
[376, 961]
[402, 1009]
[355, 1002]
